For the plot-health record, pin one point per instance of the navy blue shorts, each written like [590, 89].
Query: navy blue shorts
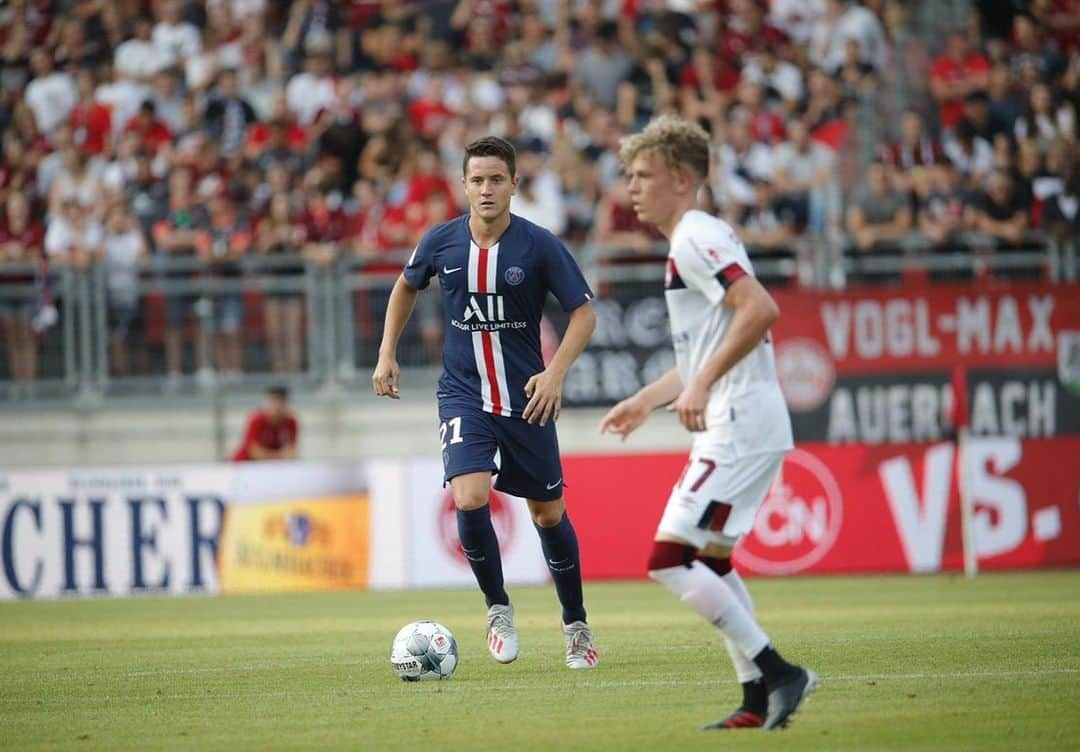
[528, 463]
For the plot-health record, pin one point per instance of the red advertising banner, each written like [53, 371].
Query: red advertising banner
[854, 508]
[932, 327]
[871, 365]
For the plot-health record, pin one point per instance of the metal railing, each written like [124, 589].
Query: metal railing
[340, 309]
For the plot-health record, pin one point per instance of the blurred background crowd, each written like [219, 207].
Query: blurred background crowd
[311, 134]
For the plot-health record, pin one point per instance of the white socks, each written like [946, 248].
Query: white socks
[745, 669]
[722, 604]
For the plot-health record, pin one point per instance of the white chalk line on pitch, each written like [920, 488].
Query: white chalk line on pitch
[463, 686]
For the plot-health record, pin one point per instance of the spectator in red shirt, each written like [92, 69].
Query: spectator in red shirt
[279, 135]
[706, 84]
[747, 31]
[90, 120]
[429, 113]
[21, 239]
[954, 75]
[153, 132]
[765, 125]
[621, 236]
[271, 432]
[324, 227]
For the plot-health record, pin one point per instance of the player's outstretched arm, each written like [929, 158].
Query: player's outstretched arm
[628, 415]
[544, 389]
[755, 312]
[385, 379]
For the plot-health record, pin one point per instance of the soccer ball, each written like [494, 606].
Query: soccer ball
[424, 650]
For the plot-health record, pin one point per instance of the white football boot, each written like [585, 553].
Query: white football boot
[580, 650]
[502, 637]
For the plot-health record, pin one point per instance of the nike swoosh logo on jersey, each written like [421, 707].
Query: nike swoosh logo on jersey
[451, 271]
[552, 486]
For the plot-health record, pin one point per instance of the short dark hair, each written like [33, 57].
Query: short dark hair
[281, 392]
[491, 146]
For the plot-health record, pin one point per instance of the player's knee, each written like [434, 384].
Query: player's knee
[547, 516]
[467, 499]
[720, 565]
[666, 555]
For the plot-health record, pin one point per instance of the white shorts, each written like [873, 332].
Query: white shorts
[716, 498]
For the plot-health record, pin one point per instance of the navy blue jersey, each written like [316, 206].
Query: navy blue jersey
[493, 299]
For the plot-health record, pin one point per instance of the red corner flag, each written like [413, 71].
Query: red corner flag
[958, 411]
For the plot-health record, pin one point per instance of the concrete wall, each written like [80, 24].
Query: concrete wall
[331, 427]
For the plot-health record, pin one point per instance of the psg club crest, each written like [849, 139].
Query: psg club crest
[515, 275]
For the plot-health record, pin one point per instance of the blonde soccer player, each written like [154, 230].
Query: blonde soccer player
[724, 391]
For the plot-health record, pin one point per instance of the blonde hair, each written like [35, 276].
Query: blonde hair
[680, 143]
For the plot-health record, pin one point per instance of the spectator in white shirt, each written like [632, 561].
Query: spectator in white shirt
[173, 36]
[79, 181]
[539, 196]
[124, 96]
[740, 161]
[51, 94]
[313, 90]
[1042, 121]
[118, 173]
[221, 50]
[242, 10]
[846, 20]
[72, 238]
[796, 18]
[169, 100]
[804, 177]
[139, 57]
[52, 164]
[972, 154]
[779, 78]
[124, 248]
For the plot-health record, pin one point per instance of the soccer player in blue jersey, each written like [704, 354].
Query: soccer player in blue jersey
[495, 394]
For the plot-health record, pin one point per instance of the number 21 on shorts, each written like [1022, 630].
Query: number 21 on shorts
[454, 426]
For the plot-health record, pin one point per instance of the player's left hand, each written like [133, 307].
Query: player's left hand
[544, 391]
[690, 407]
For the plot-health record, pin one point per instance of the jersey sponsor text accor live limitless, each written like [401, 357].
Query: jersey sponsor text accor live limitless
[493, 299]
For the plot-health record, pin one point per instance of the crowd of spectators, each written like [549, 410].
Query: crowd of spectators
[221, 130]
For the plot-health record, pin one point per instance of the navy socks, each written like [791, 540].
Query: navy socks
[481, 548]
[561, 553]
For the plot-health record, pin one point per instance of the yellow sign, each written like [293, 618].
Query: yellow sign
[303, 544]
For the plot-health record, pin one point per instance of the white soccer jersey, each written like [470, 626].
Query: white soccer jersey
[746, 408]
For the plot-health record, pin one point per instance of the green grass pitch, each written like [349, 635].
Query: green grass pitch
[907, 663]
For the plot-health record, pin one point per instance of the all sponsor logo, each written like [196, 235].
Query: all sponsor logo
[798, 522]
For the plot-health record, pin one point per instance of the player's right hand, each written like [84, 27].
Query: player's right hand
[625, 417]
[386, 378]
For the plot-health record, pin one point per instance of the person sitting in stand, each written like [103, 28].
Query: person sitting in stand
[272, 432]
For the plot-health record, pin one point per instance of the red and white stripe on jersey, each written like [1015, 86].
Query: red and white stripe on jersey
[487, 347]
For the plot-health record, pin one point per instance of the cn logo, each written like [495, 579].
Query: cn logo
[488, 308]
[799, 521]
[502, 518]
